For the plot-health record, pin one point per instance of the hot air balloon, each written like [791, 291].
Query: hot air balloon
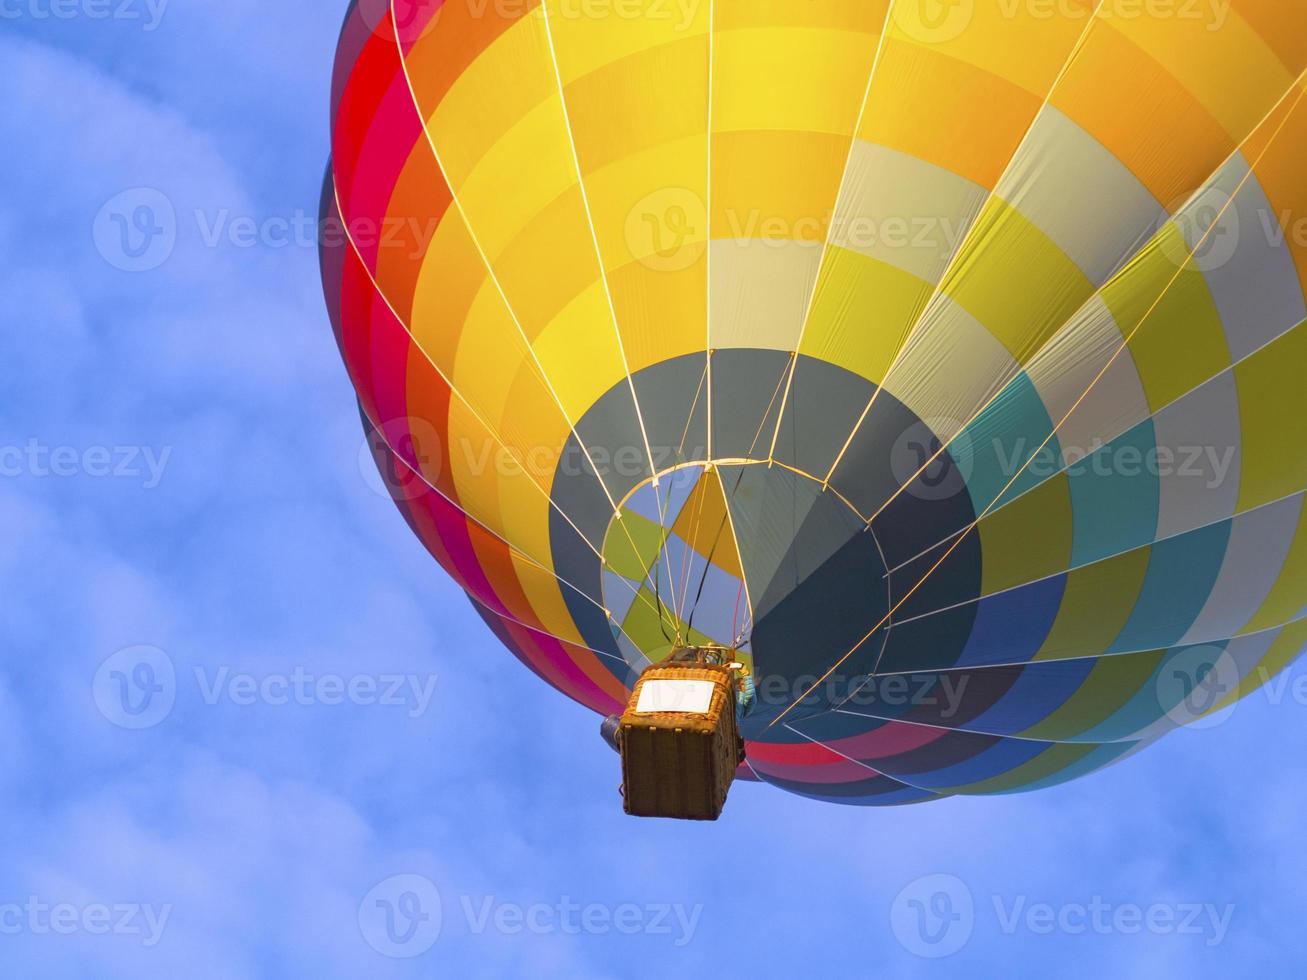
[941, 361]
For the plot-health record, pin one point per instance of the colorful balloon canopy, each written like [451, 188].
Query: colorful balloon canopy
[945, 358]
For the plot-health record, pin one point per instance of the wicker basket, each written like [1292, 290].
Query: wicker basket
[679, 742]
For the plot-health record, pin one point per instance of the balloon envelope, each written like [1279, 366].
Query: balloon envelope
[948, 366]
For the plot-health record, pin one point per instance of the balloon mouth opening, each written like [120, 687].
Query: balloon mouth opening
[682, 566]
[786, 540]
[673, 572]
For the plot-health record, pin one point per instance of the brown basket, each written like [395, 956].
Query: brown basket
[680, 763]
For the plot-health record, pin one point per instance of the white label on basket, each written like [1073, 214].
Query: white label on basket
[659, 695]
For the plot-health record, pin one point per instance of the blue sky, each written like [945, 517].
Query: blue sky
[184, 506]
